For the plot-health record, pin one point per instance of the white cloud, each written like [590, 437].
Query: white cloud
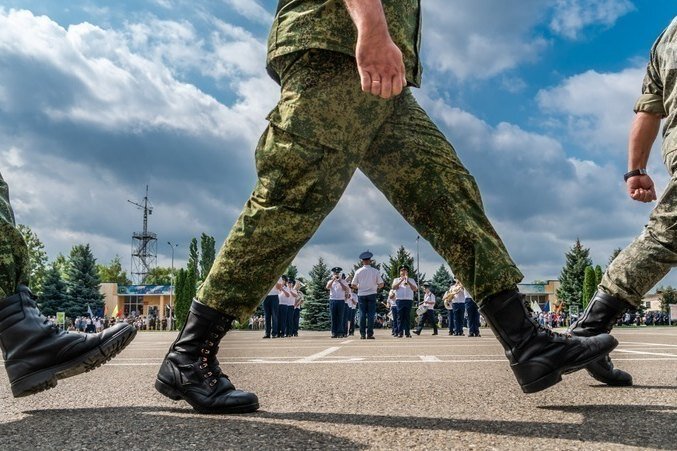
[572, 16]
[252, 10]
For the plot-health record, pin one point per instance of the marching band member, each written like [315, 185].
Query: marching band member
[293, 295]
[283, 311]
[458, 307]
[473, 315]
[404, 287]
[429, 314]
[448, 298]
[338, 288]
[297, 308]
[394, 313]
[368, 281]
[271, 305]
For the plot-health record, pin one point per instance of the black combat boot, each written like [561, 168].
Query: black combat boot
[37, 353]
[600, 316]
[538, 356]
[191, 371]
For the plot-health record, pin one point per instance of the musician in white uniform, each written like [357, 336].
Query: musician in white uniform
[338, 288]
[392, 305]
[404, 287]
[429, 314]
[368, 281]
[458, 307]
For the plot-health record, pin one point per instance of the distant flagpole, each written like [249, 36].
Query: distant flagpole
[418, 270]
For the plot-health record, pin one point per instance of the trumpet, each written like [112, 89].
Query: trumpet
[299, 285]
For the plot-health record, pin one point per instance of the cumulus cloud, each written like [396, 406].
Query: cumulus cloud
[251, 9]
[572, 16]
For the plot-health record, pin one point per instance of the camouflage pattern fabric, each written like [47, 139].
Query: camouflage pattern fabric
[14, 263]
[321, 131]
[325, 24]
[651, 255]
[659, 90]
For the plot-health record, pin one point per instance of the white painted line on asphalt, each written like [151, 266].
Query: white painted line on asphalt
[319, 355]
[640, 343]
[429, 358]
[346, 342]
[647, 353]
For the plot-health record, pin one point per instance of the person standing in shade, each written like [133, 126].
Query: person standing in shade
[391, 304]
[404, 287]
[429, 315]
[367, 280]
[338, 288]
[458, 307]
[473, 315]
[283, 311]
[271, 305]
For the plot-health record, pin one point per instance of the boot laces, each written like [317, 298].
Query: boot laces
[209, 363]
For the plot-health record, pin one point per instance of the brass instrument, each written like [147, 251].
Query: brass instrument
[451, 294]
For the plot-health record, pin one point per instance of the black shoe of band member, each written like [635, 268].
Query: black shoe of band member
[538, 356]
[599, 317]
[37, 354]
[190, 370]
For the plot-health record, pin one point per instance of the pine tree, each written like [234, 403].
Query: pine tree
[440, 283]
[113, 273]
[207, 254]
[61, 263]
[193, 258]
[292, 272]
[82, 283]
[316, 305]
[668, 296]
[598, 275]
[182, 300]
[589, 285]
[571, 278]
[53, 296]
[37, 257]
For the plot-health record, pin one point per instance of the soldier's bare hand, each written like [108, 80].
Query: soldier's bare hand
[641, 188]
[380, 64]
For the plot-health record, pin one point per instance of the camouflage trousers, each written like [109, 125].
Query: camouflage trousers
[653, 253]
[14, 262]
[324, 128]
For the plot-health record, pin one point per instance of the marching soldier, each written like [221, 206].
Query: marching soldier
[429, 314]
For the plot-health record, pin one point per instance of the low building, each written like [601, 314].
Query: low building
[138, 300]
[542, 293]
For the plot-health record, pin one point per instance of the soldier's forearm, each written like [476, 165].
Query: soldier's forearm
[642, 136]
[368, 16]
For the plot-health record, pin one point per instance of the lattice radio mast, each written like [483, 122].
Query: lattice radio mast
[144, 244]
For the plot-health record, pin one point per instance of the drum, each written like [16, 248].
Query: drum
[421, 310]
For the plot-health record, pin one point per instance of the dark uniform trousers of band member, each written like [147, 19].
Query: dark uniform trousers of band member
[346, 320]
[427, 317]
[271, 307]
[367, 305]
[404, 311]
[473, 314]
[336, 312]
[396, 318]
[459, 316]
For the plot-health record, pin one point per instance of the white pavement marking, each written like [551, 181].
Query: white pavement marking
[319, 355]
[429, 358]
[647, 353]
[641, 343]
[346, 342]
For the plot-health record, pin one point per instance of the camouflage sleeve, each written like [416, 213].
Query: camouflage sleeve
[651, 100]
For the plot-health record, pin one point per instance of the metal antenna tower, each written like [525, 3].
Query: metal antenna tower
[144, 244]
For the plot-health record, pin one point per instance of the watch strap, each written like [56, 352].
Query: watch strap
[634, 173]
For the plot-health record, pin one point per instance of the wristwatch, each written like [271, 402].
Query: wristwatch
[634, 173]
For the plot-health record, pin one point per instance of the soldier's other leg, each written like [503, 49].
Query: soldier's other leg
[418, 170]
[14, 260]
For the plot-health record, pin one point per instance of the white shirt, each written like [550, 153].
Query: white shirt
[284, 299]
[404, 291]
[392, 300]
[336, 291]
[353, 301]
[274, 291]
[459, 298]
[367, 279]
[429, 300]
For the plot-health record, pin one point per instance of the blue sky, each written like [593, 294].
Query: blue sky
[98, 99]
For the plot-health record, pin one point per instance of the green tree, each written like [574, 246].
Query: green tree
[571, 278]
[82, 283]
[207, 255]
[392, 271]
[37, 257]
[113, 273]
[53, 296]
[440, 284]
[668, 296]
[159, 275]
[292, 272]
[182, 299]
[61, 263]
[589, 285]
[316, 305]
[193, 258]
[613, 255]
[598, 275]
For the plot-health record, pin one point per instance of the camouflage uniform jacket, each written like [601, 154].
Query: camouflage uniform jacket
[659, 90]
[326, 24]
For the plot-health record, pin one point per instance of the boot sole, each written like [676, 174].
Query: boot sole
[45, 379]
[556, 376]
[171, 393]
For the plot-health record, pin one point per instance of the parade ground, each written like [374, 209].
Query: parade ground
[427, 392]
